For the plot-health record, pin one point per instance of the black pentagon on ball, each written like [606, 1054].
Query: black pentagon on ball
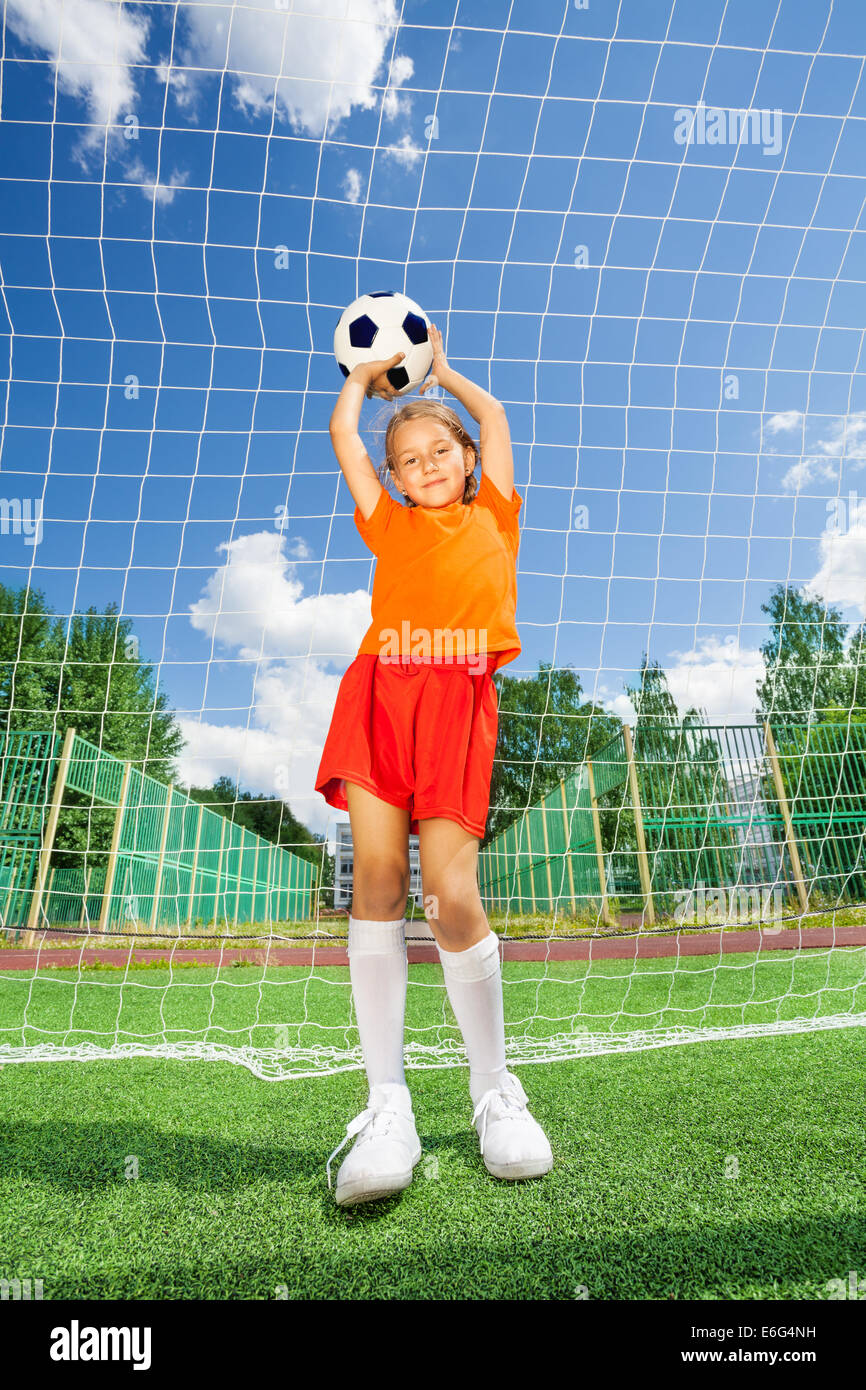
[362, 331]
[381, 294]
[344, 370]
[415, 328]
[398, 377]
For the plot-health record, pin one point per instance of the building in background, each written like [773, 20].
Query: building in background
[343, 868]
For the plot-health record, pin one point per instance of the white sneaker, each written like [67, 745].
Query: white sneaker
[513, 1144]
[386, 1150]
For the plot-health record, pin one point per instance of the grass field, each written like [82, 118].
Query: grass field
[718, 1170]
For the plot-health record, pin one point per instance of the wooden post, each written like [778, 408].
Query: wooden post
[242, 835]
[48, 841]
[47, 899]
[219, 869]
[112, 853]
[272, 849]
[255, 882]
[188, 922]
[154, 907]
[501, 871]
[83, 913]
[786, 817]
[531, 865]
[599, 853]
[643, 863]
[543, 809]
[567, 843]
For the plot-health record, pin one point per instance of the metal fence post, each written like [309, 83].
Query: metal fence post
[786, 817]
[219, 871]
[543, 809]
[567, 842]
[531, 865]
[154, 909]
[83, 913]
[599, 853]
[112, 853]
[188, 921]
[643, 864]
[48, 842]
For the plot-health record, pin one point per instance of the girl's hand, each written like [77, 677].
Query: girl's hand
[373, 378]
[440, 362]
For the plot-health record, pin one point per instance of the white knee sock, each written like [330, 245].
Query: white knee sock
[473, 979]
[378, 969]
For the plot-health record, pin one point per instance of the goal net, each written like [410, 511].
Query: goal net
[639, 224]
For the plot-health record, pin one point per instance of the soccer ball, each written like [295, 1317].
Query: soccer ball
[375, 327]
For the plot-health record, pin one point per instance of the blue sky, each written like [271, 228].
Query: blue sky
[675, 326]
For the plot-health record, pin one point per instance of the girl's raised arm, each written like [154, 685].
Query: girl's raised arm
[352, 457]
[495, 438]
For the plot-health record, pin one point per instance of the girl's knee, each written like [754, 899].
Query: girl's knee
[380, 891]
[454, 903]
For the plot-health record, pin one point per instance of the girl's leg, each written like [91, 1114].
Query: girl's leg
[468, 949]
[377, 948]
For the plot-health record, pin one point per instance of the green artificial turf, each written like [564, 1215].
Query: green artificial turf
[716, 1170]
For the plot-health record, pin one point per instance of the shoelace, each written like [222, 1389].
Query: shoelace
[510, 1097]
[359, 1123]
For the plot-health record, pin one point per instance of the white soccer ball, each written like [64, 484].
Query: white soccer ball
[375, 327]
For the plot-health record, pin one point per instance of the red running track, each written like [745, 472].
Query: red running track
[644, 947]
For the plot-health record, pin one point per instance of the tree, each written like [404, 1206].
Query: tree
[546, 730]
[682, 786]
[815, 699]
[25, 638]
[269, 817]
[83, 670]
[852, 678]
[804, 658]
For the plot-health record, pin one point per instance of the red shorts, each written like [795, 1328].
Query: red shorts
[419, 735]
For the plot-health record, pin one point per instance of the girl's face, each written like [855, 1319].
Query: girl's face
[431, 466]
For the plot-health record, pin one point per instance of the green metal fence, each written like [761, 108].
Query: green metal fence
[172, 862]
[26, 771]
[725, 806]
[774, 807]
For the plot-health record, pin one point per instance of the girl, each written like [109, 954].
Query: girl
[410, 750]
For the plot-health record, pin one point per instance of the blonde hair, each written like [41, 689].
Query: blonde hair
[430, 409]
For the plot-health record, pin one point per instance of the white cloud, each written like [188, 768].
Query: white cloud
[92, 45]
[255, 606]
[182, 87]
[322, 62]
[841, 441]
[846, 438]
[783, 422]
[841, 577]
[801, 473]
[403, 152]
[615, 702]
[352, 185]
[256, 603]
[162, 193]
[717, 676]
[279, 753]
[317, 66]
[394, 102]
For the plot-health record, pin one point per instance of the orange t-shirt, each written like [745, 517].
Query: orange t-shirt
[450, 570]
